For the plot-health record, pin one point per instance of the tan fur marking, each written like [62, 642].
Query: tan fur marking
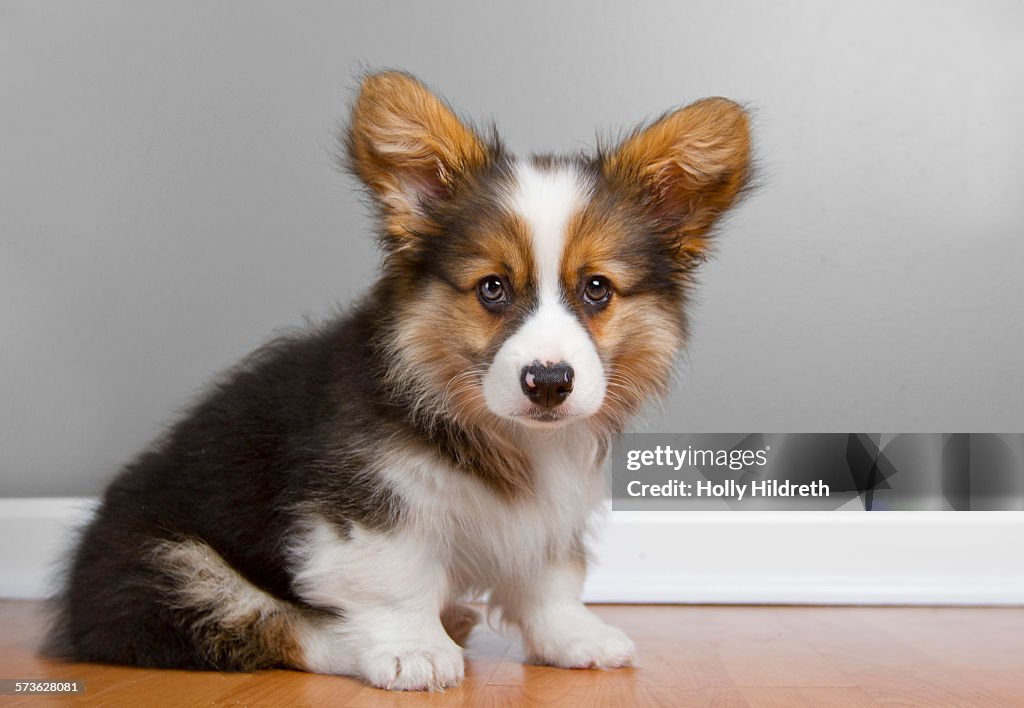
[637, 335]
[500, 248]
[236, 624]
[459, 621]
[642, 342]
[594, 247]
[406, 144]
[440, 338]
[694, 162]
[441, 334]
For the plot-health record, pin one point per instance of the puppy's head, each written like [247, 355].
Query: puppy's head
[539, 290]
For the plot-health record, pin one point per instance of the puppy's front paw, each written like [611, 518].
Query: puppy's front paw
[415, 668]
[589, 645]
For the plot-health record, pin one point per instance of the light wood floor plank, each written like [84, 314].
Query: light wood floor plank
[756, 657]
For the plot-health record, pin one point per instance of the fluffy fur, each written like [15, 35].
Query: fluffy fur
[330, 503]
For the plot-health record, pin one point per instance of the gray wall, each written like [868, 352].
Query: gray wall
[168, 200]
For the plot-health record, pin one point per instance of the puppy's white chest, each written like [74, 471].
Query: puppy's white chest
[497, 538]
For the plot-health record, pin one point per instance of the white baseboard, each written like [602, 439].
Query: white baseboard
[34, 535]
[933, 558]
[899, 558]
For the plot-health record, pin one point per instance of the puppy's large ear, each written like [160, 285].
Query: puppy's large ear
[686, 168]
[409, 148]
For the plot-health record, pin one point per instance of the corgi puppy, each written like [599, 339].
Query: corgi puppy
[330, 503]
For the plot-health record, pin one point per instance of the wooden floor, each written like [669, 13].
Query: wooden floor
[728, 656]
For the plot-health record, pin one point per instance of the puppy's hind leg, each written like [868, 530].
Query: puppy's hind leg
[233, 625]
[168, 603]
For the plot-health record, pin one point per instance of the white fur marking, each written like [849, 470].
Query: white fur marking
[390, 589]
[546, 200]
[482, 539]
[558, 629]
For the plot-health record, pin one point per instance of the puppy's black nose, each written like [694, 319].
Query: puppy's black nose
[547, 386]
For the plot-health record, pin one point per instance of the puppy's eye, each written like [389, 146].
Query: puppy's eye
[597, 291]
[493, 292]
